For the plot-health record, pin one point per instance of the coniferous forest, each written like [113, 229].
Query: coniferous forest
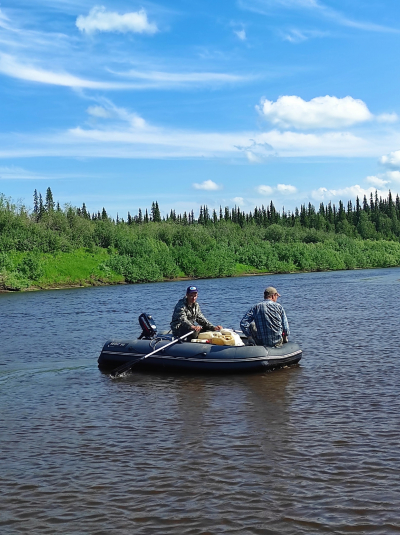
[52, 246]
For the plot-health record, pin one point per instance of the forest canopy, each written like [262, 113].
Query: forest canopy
[38, 245]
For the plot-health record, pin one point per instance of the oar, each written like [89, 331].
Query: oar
[127, 366]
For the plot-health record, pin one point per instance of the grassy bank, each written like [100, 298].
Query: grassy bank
[54, 247]
[100, 266]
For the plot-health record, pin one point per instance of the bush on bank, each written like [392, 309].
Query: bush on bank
[54, 247]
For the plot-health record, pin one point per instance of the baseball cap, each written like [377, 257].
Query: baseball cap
[192, 290]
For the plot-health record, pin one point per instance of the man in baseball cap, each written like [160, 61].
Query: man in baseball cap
[266, 322]
[187, 316]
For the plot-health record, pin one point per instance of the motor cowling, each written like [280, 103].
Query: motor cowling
[149, 329]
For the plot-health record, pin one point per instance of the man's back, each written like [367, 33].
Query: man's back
[270, 320]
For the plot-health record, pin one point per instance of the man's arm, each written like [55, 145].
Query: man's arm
[246, 321]
[203, 321]
[285, 323]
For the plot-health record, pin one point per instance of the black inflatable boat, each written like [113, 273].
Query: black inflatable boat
[190, 356]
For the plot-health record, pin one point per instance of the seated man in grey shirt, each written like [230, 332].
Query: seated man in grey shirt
[266, 322]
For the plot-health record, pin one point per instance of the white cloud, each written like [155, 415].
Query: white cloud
[264, 7]
[179, 78]
[283, 189]
[241, 34]
[256, 152]
[17, 173]
[100, 20]
[253, 157]
[123, 138]
[13, 68]
[351, 192]
[376, 181]
[207, 185]
[299, 36]
[265, 190]
[387, 118]
[156, 80]
[331, 143]
[393, 176]
[113, 131]
[392, 159]
[99, 111]
[286, 188]
[238, 200]
[107, 110]
[320, 112]
[3, 21]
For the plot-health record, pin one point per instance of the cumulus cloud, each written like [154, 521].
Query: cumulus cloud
[286, 188]
[283, 189]
[265, 190]
[319, 112]
[392, 159]
[376, 181]
[351, 192]
[384, 180]
[207, 185]
[393, 176]
[256, 152]
[100, 20]
[238, 200]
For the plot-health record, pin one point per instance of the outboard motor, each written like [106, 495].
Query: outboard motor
[149, 329]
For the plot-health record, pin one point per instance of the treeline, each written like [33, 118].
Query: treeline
[148, 247]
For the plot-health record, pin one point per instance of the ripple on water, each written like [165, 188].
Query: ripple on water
[309, 449]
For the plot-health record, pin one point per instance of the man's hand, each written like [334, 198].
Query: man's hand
[196, 328]
[218, 327]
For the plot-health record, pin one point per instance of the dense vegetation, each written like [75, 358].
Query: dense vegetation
[52, 246]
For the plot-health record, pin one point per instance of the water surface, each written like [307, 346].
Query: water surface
[308, 449]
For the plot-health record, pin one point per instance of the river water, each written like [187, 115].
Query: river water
[308, 449]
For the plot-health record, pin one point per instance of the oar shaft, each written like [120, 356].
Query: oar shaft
[126, 367]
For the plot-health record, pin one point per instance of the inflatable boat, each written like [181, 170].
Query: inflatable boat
[165, 352]
[202, 357]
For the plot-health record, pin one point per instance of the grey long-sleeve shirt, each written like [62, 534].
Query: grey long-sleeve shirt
[270, 320]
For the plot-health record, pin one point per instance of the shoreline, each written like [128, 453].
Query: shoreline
[92, 284]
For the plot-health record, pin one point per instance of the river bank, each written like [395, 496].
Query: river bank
[62, 285]
[96, 266]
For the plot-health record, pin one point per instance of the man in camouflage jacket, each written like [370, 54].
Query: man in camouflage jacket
[186, 313]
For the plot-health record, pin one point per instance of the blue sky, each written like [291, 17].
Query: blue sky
[120, 103]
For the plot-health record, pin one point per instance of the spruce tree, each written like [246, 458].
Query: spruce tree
[49, 201]
[35, 202]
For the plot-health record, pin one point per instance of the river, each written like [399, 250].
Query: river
[311, 449]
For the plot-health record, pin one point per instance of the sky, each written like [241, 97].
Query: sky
[224, 103]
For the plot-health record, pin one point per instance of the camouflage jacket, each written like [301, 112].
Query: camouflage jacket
[186, 316]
